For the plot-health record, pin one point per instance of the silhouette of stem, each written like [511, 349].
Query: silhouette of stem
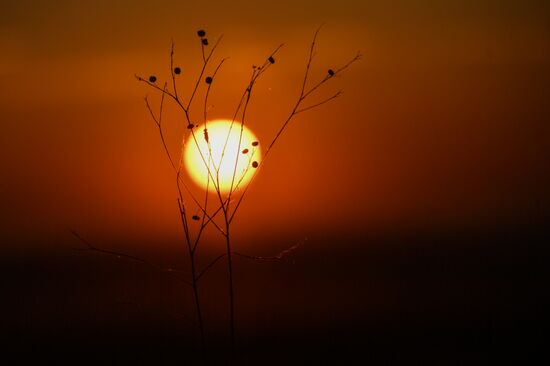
[225, 209]
[193, 271]
[231, 289]
[159, 126]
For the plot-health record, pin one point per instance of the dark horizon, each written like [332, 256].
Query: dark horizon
[454, 297]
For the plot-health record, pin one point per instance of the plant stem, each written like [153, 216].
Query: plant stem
[231, 294]
[196, 294]
[194, 278]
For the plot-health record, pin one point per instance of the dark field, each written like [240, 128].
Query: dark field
[420, 298]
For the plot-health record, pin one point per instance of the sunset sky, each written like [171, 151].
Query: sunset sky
[442, 130]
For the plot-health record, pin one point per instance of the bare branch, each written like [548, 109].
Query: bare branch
[282, 255]
[172, 70]
[210, 86]
[210, 217]
[255, 75]
[248, 93]
[210, 265]
[336, 95]
[158, 122]
[93, 248]
[296, 110]
[336, 72]
[176, 99]
[309, 60]
[199, 79]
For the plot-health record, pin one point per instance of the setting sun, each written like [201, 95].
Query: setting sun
[220, 148]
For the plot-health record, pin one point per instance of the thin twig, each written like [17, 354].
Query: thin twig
[205, 63]
[336, 72]
[336, 95]
[93, 248]
[158, 122]
[210, 217]
[176, 99]
[278, 257]
[310, 59]
[257, 72]
[210, 86]
[172, 70]
[248, 95]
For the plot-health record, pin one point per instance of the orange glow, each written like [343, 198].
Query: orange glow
[221, 147]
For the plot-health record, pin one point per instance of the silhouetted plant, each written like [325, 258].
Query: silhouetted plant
[221, 215]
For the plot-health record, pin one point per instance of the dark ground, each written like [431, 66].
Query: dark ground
[457, 298]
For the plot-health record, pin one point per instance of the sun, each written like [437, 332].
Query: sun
[217, 143]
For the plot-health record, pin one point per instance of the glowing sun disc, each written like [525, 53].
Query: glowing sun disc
[198, 151]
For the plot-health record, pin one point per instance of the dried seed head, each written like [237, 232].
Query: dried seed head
[177, 71]
[205, 41]
[255, 143]
[208, 80]
[206, 135]
[271, 60]
[196, 218]
[201, 33]
[331, 72]
[190, 126]
[254, 164]
[152, 78]
[245, 151]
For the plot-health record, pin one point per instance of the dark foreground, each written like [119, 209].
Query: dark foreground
[450, 298]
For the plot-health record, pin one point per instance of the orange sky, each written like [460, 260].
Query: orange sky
[443, 123]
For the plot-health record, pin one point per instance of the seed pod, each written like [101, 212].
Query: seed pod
[271, 60]
[152, 78]
[255, 143]
[208, 80]
[177, 71]
[254, 164]
[331, 72]
[206, 135]
[205, 41]
[196, 218]
[245, 151]
[201, 33]
[190, 126]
